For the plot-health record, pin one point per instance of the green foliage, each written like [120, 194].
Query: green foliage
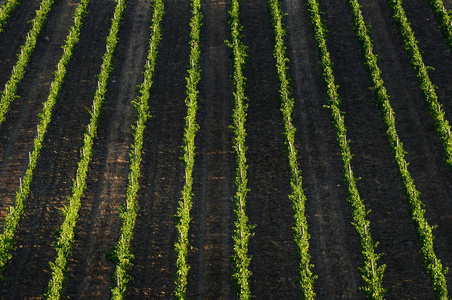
[298, 198]
[423, 230]
[66, 233]
[371, 273]
[242, 232]
[11, 221]
[121, 254]
[26, 50]
[5, 12]
[191, 128]
[443, 17]
[410, 44]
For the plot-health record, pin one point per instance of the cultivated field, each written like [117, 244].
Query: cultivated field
[108, 172]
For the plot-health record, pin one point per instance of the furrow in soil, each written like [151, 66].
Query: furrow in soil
[162, 179]
[272, 249]
[214, 167]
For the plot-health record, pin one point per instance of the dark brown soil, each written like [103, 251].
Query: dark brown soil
[334, 246]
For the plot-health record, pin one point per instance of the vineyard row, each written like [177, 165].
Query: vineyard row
[297, 198]
[370, 271]
[242, 232]
[121, 254]
[191, 128]
[5, 11]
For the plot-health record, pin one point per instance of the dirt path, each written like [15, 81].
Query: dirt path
[154, 264]
[272, 248]
[213, 210]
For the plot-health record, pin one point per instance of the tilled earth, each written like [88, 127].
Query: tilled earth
[334, 245]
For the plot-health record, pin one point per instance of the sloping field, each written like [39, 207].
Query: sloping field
[317, 129]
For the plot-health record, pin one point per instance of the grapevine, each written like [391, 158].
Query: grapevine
[410, 44]
[242, 232]
[298, 198]
[191, 128]
[11, 221]
[5, 11]
[423, 229]
[121, 254]
[371, 272]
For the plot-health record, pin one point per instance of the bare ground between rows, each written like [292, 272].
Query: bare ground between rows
[162, 171]
[28, 271]
[272, 248]
[214, 184]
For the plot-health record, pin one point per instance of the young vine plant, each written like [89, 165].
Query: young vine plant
[443, 18]
[242, 231]
[11, 221]
[410, 44]
[423, 229]
[5, 11]
[298, 198]
[191, 128]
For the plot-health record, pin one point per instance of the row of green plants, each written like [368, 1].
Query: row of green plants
[410, 44]
[423, 230]
[12, 219]
[26, 50]
[242, 231]
[5, 11]
[443, 18]
[181, 246]
[66, 233]
[297, 197]
[121, 254]
[370, 271]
